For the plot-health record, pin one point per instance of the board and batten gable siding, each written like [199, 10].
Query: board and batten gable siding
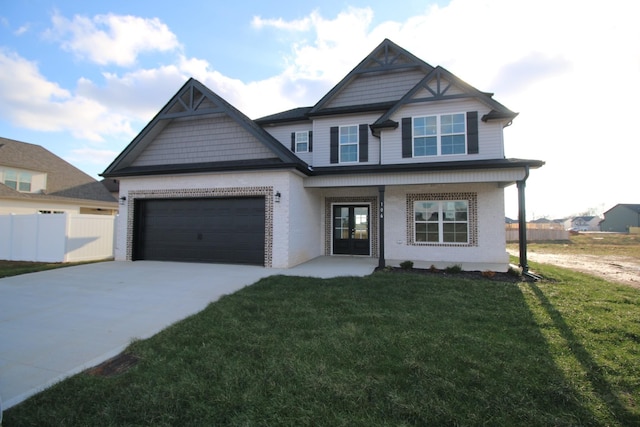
[202, 139]
[322, 138]
[371, 88]
[490, 137]
[283, 134]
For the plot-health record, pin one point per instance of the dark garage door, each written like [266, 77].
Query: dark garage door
[224, 230]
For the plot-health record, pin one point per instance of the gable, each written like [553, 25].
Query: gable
[211, 138]
[380, 80]
[198, 131]
[441, 85]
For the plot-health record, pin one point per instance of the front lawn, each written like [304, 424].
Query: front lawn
[388, 349]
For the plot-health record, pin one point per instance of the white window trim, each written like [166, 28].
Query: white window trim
[472, 216]
[441, 222]
[438, 135]
[306, 132]
[357, 144]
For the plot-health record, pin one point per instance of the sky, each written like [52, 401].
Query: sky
[82, 78]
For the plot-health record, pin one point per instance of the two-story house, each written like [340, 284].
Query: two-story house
[399, 161]
[34, 180]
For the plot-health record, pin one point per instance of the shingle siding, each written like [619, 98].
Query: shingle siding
[202, 139]
[374, 88]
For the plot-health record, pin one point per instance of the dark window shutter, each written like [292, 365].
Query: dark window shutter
[472, 132]
[310, 141]
[407, 137]
[363, 143]
[293, 142]
[333, 134]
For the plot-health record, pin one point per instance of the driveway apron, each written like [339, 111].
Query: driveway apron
[56, 323]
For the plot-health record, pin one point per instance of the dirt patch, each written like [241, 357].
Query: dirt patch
[114, 366]
[619, 269]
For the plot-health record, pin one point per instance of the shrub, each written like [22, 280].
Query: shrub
[406, 265]
[433, 269]
[453, 269]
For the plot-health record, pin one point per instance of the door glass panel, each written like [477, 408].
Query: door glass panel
[361, 223]
[341, 223]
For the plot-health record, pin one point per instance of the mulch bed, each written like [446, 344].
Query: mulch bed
[114, 366]
[485, 275]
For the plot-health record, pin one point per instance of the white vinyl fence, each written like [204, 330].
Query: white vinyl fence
[537, 235]
[56, 237]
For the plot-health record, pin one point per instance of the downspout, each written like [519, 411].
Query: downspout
[381, 261]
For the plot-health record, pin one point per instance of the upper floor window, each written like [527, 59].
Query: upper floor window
[19, 181]
[439, 135]
[348, 144]
[302, 142]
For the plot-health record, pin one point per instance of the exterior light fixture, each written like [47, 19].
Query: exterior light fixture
[123, 199]
[277, 196]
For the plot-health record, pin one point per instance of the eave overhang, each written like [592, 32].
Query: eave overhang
[210, 167]
[432, 166]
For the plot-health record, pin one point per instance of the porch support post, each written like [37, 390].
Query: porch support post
[522, 222]
[381, 261]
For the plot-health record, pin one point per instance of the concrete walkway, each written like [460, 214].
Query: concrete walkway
[56, 323]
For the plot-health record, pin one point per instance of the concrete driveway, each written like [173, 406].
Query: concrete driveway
[57, 323]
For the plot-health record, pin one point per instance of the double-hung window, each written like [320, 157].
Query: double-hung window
[302, 142]
[19, 181]
[439, 135]
[441, 221]
[348, 139]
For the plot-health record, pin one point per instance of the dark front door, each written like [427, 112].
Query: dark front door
[351, 230]
[224, 230]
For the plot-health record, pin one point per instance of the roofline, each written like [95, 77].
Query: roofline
[190, 168]
[245, 122]
[427, 167]
[419, 63]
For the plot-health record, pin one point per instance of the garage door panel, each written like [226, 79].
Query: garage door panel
[227, 230]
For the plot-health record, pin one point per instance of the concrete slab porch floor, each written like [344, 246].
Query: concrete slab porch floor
[56, 323]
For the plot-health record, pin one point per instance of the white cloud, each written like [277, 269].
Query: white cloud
[280, 24]
[93, 156]
[112, 39]
[31, 101]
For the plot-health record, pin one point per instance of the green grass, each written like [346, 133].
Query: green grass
[389, 349]
[14, 268]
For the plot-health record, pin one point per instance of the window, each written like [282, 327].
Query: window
[19, 181]
[348, 141]
[439, 135]
[441, 221]
[302, 142]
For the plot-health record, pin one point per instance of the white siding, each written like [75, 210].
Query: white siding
[321, 138]
[416, 178]
[202, 139]
[283, 134]
[489, 133]
[371, 88]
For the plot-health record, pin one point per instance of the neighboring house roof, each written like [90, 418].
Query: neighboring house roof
[631, 206]
[64, 181]
[195, 99]
[113, 185]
